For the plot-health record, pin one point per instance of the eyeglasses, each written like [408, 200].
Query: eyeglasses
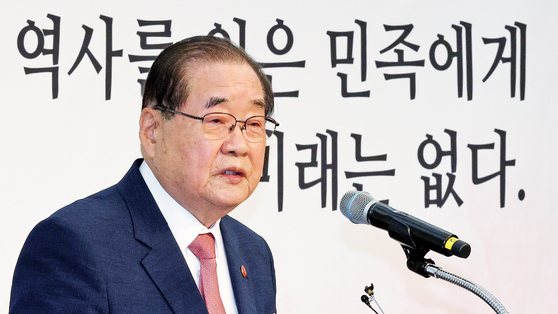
[219, 125]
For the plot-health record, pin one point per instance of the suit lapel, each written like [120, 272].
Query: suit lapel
[169, 272]
[242, 286]
[164, 263]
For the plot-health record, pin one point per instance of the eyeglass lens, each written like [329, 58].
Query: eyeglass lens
[219, 125]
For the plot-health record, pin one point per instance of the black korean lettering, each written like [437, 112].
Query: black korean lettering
[290, 38]
[324, 167]
[502, 161]
[463, 63]
[280, 168]
[437, 188]
[512, 59]
[218, 30]
[280, 26]
[242, 32]
[21, 41]
[401, 62]
[164, 27]
[349, 59]
[40, 49]
[109, 54]
[85, 51]
[434, 193]
[439, 152]
[360, 158]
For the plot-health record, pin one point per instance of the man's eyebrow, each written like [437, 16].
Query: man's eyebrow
[214, 101]
[259, 103]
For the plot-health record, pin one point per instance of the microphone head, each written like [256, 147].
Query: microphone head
[354, 206]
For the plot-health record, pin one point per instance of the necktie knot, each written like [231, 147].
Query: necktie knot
[203, 246]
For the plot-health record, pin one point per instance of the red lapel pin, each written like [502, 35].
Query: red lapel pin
[243, 271]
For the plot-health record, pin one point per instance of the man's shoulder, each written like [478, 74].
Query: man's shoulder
[96, 214]
[91, 205]
[101, 204]
[230, 223]
[244, 236]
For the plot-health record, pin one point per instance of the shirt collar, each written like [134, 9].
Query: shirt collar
[183, 225]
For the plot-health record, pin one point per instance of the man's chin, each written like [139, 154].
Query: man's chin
[231, 198]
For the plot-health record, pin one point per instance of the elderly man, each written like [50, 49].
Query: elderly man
[160, 241]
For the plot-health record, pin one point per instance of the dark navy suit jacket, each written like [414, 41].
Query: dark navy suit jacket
[113, 252]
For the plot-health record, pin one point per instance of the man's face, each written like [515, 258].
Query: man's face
[207, 175]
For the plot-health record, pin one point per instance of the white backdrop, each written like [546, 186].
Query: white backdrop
[58, 148]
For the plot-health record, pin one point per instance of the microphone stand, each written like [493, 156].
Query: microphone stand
[417, 263]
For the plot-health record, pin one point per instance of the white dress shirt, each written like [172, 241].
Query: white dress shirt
[185, 228]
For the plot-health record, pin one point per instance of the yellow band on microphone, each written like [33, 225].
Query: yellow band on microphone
[450, 242]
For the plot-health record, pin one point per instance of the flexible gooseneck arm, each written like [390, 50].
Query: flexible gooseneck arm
[437, 272]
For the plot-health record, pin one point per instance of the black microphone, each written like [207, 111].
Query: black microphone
[362, 208]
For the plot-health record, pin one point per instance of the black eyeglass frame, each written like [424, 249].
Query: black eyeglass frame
[269, 133]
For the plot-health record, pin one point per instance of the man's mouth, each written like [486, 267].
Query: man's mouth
[232, 173]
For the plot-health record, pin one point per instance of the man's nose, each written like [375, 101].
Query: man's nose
[237, 143]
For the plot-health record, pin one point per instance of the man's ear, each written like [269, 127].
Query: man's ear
[149, 123]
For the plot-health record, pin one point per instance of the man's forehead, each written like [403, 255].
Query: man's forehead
[202, 75]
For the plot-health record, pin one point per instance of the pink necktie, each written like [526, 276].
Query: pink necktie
[204, 249]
